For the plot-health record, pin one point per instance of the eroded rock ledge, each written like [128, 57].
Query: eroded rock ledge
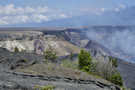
[23, 81]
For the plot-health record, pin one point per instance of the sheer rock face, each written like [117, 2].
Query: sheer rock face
[39, 46]
[97, 50]
[19, 35]
[23, 45]
[23, 40]
[37, 42]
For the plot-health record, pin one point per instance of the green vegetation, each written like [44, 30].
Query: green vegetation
[48, 87]
[104, 69]
[50, 54]
[16, 49]
[123, 88]
[100, 68]
[113, 61]
[24, 60]
[117, 79]
[85, 60]
[69, 64]
[71, 55]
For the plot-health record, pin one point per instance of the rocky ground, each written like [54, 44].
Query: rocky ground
[12, 79]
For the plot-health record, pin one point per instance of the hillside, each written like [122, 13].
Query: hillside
[25, 71]
[64, 41]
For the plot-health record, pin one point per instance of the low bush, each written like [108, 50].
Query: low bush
[116, 79]
[103, 68]
[107, 71]
[71, 56]
[16, 49]
[113, 61]
[50, 54]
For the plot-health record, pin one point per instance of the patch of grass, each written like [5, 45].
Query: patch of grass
[123, 88]
[69, 64]
[48, 87]
[95, 75]
[52, 69]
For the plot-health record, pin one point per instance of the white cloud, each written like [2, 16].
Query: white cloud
[39, 18]
[2, 22]
[96, 11]
[10, 14]
[117, 9]
[14, 19]
[63, 15]
[12, 10]
[103, 9]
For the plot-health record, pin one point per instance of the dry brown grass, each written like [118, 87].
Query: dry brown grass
[52, 69]
[63, 47]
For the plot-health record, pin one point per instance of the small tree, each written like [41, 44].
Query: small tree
[85, 60]
[50, 54]
[113, 61]
[16, 49]
[71, 55]
[104, 69]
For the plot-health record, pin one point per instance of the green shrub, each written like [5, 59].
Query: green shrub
[104, 69]
[16, 49]
[49, 87]
[24, 60]
[93, 67]
[114, 61]
[50, 54]
[116, 79]
[85, 60]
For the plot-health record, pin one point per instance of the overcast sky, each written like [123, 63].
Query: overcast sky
[38, 11]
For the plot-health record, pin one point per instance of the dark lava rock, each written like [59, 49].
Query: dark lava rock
[9, 60]
[12, 80]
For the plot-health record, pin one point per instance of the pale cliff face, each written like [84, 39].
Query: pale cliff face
[19, 35]
[38, 46]
[22, 46]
